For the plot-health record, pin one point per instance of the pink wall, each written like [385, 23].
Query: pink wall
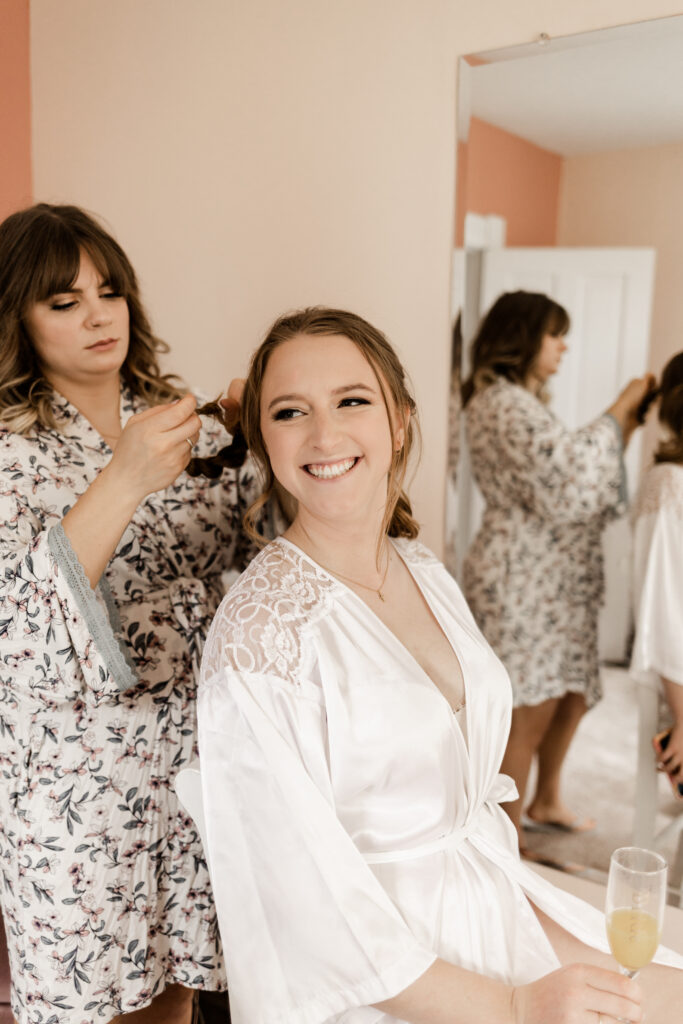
[632, 197]
[503, 174]
[15, 107]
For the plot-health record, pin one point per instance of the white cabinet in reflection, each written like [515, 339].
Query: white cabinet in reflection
[608, 294]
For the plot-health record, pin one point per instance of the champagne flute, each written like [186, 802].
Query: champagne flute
[636, 896]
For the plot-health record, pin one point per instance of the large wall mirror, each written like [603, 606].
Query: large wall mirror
[570, 163]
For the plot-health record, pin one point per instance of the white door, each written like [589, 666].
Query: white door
[608, 294]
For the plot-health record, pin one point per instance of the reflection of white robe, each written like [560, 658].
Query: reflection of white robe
[658, 576]
[352, 835]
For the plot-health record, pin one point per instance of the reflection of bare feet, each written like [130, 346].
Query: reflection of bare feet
[536, 857]
[555, 819]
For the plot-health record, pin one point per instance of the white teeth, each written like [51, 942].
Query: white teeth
[328, 472]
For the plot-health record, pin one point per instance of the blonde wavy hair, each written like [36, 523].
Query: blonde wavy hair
[40, 255]
[319, 321]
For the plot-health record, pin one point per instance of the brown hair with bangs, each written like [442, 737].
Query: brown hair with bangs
[510, 336]
[671, 410]
[318, 321]
[40, 255]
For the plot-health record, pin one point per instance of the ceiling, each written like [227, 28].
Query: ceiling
[618, 88]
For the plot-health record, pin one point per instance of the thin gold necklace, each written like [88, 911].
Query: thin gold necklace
[366, 586]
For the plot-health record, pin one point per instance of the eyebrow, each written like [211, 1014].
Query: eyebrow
[336, 391]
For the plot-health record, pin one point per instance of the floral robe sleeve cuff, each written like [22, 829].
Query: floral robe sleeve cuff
[97, 608]
[623, 481]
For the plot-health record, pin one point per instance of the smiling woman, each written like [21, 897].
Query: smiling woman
[352, 720]
[374, 375]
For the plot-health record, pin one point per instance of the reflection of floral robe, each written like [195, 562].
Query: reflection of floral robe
[534, 575]
[105, 893]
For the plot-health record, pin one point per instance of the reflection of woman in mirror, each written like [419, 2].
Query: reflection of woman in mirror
[533, 576]
[352, 722]
[111, 558]
[658, 567]
[454, 430]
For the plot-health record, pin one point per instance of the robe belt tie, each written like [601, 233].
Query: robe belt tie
[502, 791]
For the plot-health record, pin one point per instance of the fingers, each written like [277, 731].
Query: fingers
[236, 390]
[186, 431]
[169, 415]
[232, 401]
[671, 763]
[614, 996]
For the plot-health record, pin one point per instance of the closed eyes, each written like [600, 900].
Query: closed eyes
[64, 304]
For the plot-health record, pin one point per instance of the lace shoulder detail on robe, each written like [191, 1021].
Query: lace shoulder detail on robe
[414, 552]
[265, 618]
[662, 487]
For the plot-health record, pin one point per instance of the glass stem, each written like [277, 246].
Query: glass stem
[627, 973]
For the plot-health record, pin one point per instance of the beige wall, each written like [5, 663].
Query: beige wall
[633, 197]
[253, 155]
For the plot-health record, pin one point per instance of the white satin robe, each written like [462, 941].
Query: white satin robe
[658, 576]
[353, 834]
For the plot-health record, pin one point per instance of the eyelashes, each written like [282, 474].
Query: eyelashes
[69, 304]
[291, 413]
[286, 414]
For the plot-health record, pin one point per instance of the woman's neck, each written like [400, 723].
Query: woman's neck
[533, 384]
[99, 402]
[352, 549]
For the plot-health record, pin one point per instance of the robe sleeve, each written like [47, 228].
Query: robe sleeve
[559, 474]
[308, 930]
[658, 551]
[57, 634]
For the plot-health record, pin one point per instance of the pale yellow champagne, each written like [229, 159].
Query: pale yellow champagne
[633, 937]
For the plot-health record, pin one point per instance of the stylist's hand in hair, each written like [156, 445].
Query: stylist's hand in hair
[232, 401]
[625, 407]
[155, 447]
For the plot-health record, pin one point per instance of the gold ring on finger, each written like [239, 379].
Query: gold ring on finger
[190, 442]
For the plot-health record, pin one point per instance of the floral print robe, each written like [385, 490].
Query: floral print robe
[534, 573]
[104, 887]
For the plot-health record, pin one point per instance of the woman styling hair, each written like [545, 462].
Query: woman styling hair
[533, 575]
[111, 558]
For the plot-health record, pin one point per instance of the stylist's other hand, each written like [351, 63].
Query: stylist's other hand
[626, 406]
[153, 447]
[232, 402]
[671, 759]
[577, 994]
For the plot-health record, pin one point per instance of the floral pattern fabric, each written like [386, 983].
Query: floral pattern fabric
[104, 887]
[534, 573]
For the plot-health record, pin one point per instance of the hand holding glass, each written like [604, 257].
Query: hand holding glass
[636, 896]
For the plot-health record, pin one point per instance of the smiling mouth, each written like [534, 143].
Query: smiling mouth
[330, 470]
